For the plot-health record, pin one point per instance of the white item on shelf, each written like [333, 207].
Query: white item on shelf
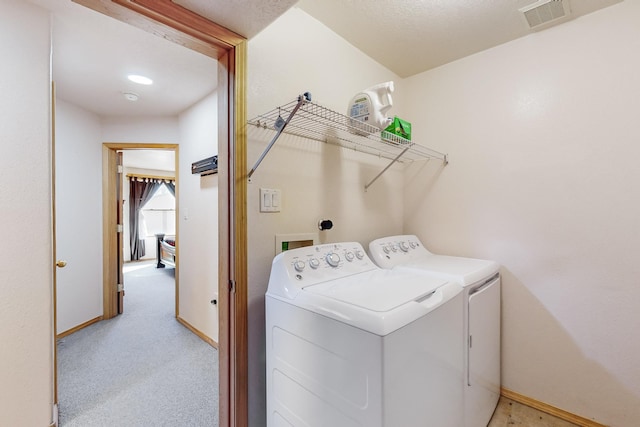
[370, 106]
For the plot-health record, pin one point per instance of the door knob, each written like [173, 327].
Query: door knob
[61, 264]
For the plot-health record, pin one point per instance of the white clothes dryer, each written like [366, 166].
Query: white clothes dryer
[351, 344]
[480, 282]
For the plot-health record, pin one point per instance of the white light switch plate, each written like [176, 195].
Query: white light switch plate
[270, 200]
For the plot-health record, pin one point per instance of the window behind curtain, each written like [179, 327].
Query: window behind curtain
[158, 216]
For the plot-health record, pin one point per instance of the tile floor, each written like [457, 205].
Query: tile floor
[510, 413]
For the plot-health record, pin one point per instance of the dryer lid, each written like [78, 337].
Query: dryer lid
[466, 271]
[379, 290]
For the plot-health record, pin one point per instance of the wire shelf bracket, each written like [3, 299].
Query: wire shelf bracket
[313, 121]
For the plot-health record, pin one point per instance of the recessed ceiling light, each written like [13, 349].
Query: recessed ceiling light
[130, 96]
[140, 79]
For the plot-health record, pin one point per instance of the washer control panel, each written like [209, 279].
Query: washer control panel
[295, 269]
[388, 252]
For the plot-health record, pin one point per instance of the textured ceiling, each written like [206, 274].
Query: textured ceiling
[244, 17]
[412, 36]
[94, 53]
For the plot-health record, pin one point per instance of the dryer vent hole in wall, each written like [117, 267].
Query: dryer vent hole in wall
[325, 224]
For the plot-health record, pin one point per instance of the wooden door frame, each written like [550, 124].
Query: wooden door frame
[175, 23]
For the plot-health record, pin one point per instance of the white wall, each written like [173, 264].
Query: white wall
[318, 181]
[198, 218]
[79, 138]
[26, 304]
[157, 130]
[79, 215]
[82, 135]
[543, 138]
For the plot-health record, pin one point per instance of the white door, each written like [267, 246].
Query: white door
[483, 375]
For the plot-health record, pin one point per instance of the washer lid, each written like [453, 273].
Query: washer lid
[379, 290]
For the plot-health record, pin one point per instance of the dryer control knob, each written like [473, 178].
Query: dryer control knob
[359, 254]
[299, 266]
[314, 263]
[404, 246]
[333, 259]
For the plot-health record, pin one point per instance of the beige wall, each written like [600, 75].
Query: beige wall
[198, 218]
[318, 181]
[26, 304]
[79, 138]
[79, 152]
[542, 134]
[543, 138]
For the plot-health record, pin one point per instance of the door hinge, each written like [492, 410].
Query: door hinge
[470, 341]
[232, 285]
[120, 169]
[120, 287]
[119, 228]
[54, 415]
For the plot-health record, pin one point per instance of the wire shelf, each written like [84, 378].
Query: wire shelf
[307, 119]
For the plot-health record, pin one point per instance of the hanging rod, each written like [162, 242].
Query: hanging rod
[157, 177]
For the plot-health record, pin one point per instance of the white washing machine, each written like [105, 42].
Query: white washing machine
[480, 282]
[351, 344]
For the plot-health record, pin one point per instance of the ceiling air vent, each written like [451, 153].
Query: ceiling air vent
[545, 12]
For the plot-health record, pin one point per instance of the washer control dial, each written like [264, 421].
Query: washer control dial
[314, 263]
[349, 256]
[386, 249]
[299, 266]
[359, 254]
[413, 244]
[333, 259]
[404, 247]
[394, 247]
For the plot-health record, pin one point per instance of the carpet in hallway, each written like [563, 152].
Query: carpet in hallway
[141, 368]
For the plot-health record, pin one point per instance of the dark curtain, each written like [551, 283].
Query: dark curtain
[140, 192]
[171, 185]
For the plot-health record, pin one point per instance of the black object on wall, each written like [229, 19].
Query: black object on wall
[206, 166]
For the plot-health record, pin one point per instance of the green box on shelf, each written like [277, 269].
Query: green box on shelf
[400, 127]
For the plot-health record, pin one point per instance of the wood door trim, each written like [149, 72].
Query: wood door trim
[109, 226]
[170, 21]
[185, 21]
[54, 243]
[109, 222]
[186, 28]
[79, 327]
[197, 332]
